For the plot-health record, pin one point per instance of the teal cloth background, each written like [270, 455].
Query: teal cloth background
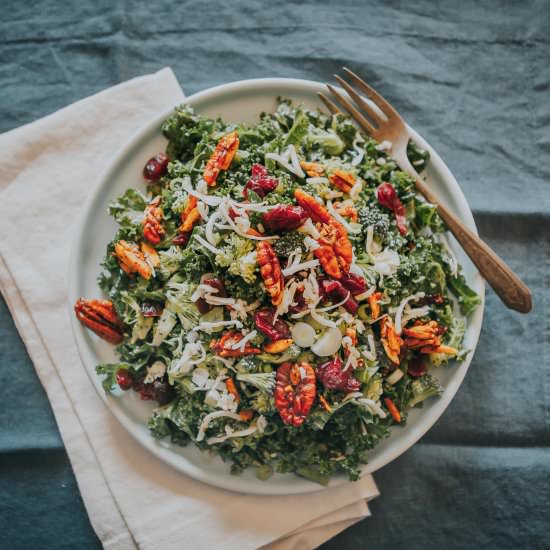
[474, 79]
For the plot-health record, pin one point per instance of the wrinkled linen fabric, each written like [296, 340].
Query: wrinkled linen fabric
[473, 78]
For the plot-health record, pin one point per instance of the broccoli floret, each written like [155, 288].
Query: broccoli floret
[424, 387]
[132, 316]
[379, 219]
[345, 129]
[239, 257]
[374, 389]
[330, 142]
[263, 403]
[171, 260]
[264, 381]
[246, 364]
[178, 297]
[288, 243]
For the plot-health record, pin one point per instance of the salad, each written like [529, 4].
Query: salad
[281, 293]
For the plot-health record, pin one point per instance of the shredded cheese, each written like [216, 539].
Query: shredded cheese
[207, 326]
[300, 267]
[207, 245]
[401, 307]
[212, 416]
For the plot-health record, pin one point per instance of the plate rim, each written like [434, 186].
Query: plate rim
[179, 462]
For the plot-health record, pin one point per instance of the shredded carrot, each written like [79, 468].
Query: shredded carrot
[373, 300]
[325, 404]
[396, 415]
[246, 415]
[232, 389]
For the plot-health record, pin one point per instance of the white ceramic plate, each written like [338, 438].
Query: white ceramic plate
[238, 102]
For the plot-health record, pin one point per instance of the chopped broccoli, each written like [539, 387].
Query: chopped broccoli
[424, 387]
[376, 217]
[288, 243]
[263, 402]
[239, 257]
[171, 260]
[345, 128]
[178, 297]
[264, 381]
[132, 316]
[329, 141]
[374, 389]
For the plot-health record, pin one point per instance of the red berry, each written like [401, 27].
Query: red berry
[263, 320]
[416, 367]
[151, 309]
[284, 217]
[332, 376]
[123, 379]
[202, 305]
[156, 167]
[354, 283]
[260, 182]
[335, 292]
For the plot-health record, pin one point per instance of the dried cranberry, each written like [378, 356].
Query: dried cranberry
[263, 320]
[299, 301]
[416, 367]
[202, 305]
[162, 392]
[156, 167]
[335, 291]
[434, 299]
[182, 239]
[151, 309]
[260, 182]
[284, 217]
[354, 283]
[387, 197]
[124, 379]
[333, 377]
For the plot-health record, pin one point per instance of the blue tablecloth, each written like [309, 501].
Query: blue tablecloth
[474, 79]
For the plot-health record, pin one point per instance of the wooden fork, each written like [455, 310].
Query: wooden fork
[390, 127]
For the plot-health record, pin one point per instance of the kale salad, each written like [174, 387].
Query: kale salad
[281, 292]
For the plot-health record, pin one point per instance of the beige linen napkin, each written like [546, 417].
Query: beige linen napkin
[133, 499]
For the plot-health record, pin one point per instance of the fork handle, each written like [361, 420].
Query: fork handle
[509, 287]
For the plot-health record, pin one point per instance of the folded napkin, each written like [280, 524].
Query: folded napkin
[133, 499]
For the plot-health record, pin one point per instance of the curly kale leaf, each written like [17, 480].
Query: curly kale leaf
[426, 216]
[298, 132]
[127, 210]
[184, 130]
[467, 298]
[424, 387]
[418, 157]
